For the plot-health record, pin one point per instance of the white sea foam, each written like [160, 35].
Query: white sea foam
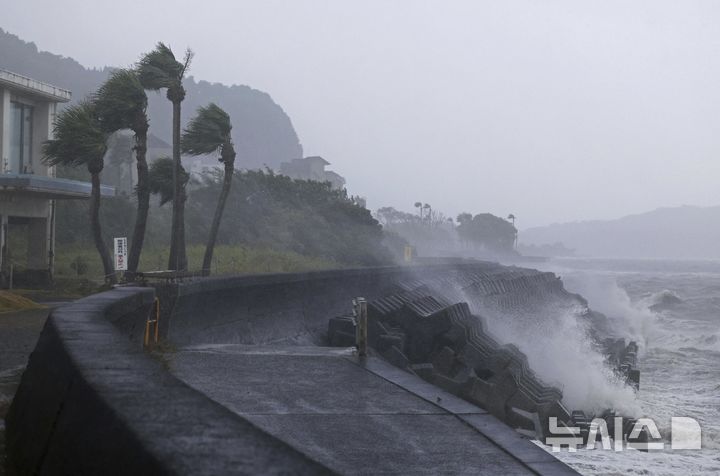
[560, 351]
[680, 363]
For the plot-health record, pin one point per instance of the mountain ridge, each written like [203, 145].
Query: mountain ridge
[682, 232]
[263, 133]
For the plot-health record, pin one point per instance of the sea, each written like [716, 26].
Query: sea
[672, 309]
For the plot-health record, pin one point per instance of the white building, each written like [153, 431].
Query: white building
[28, 188]
[312, 168]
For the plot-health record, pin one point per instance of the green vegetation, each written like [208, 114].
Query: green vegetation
[262, 221]
[271, 223]
[434, 234]
[228, 260]
[158, 70]
[306, 217]
[81, 140]
[121, 103]
[207, 133]
[493, 233]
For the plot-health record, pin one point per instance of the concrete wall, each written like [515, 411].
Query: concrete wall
[289, 308]
[91, 402]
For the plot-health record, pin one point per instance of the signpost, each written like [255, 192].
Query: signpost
[408, 254]
[121, 254]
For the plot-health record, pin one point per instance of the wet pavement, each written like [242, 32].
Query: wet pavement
[19, 332]
[357, 416]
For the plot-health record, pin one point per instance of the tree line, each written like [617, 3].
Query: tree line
[82, 131]
[433, 231]
[264, 211]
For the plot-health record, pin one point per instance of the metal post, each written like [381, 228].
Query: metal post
[361, 339]
[157, 320]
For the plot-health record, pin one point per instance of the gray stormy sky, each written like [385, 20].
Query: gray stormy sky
[551, 110]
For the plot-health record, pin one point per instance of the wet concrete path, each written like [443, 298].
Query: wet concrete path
[358, 417]
[19, 332]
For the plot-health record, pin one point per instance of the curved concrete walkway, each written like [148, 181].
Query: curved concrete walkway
[358, 417]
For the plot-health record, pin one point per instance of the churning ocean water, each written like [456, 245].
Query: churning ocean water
[672, 309]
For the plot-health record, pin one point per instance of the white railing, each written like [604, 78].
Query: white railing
[35, 85]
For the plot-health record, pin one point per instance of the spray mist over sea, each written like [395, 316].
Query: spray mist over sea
[672, 310]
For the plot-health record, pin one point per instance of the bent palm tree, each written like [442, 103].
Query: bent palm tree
[209, 132]
[121, 103]
[80, 140]
[157, 70]
[161, 182]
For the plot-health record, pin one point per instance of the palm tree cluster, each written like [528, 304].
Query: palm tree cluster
[81, 134]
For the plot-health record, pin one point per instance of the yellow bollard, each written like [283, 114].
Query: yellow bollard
[155, 324]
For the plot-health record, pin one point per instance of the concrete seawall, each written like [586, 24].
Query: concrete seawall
[93, 402]
[248, 309]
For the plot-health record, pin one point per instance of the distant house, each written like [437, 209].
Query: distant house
[312, 168]
[28, 188]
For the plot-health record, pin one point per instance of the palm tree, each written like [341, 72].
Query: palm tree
[81, 140]
[429, 211]
[157, 70]
[209, 132]
[121, 103]
[160, 179]
[418, 205]
[511, 217]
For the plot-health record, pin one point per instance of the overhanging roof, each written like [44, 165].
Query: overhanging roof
[49, 187]
[33, 87]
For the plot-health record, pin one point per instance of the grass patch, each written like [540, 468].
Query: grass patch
[10, 302]
[74, 263]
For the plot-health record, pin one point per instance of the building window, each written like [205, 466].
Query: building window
[21, 138]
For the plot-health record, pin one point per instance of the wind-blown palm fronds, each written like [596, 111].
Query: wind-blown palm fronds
[209, 132]
[121, 103]
[159, 69]
[79, 139]
[161, 179]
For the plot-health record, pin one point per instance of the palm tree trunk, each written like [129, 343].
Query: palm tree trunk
[227, 182]
[97, 231]
[178, 258]
[143, 204]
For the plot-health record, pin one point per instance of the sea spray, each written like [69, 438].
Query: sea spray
[680, 360]
[556, 338]
[561, 350]
[628, 319]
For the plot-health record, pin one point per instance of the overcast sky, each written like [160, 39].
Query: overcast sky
[552, 110]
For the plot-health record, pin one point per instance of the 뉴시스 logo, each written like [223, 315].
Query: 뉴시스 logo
[685, 434]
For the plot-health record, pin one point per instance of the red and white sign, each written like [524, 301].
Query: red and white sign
[121, 254]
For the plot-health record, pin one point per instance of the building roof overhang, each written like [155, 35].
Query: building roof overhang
[33, 87]
[40, 186]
